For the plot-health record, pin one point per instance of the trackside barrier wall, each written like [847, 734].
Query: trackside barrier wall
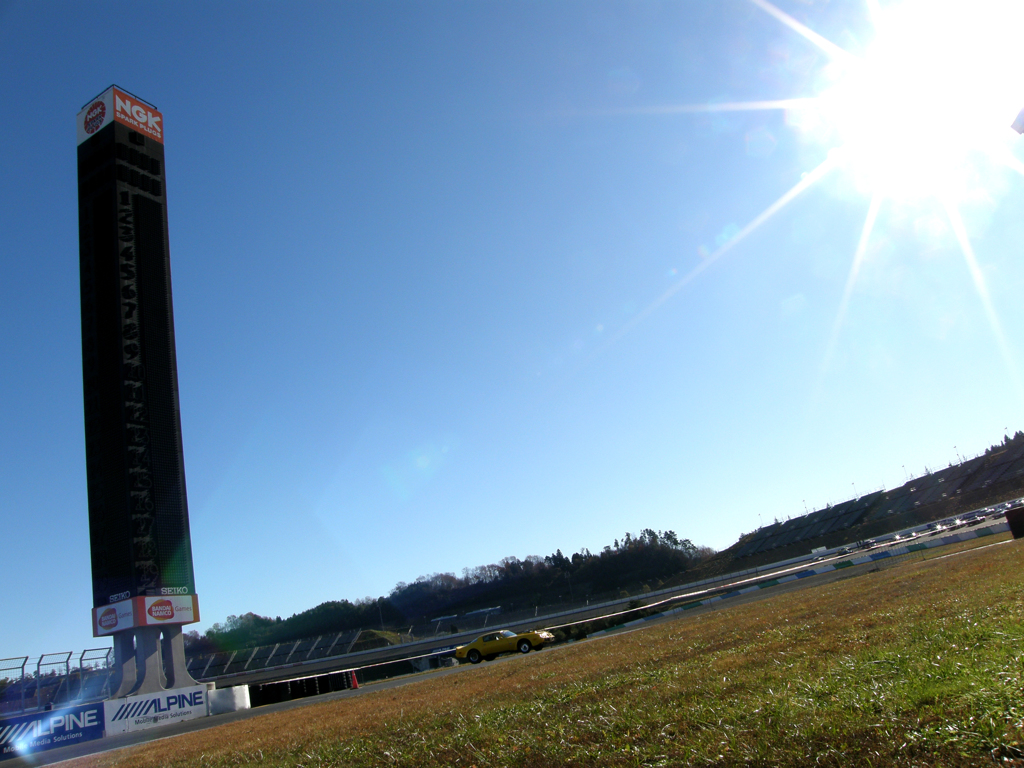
[862, 560]
[26, 734]
[1015, 519]
[261, 694]
[232, 699]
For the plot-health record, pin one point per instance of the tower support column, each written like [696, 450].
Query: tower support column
[150, 660]
[124, 663]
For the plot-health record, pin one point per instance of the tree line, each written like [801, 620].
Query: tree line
[628, 565]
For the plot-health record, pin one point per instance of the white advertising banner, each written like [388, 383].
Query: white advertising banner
[144, 612]
[113, 618]
[96, 115]
[173, 609]
[135, 713]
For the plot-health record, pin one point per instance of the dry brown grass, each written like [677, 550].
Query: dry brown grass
[915, 665]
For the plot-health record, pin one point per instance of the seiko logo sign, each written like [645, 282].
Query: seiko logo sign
[174, 591]
[119, 596]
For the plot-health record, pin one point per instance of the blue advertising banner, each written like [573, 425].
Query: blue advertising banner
[23, 735]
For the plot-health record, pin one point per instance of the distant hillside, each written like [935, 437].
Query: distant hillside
[997, 475]
[630, 564]
[649, 560]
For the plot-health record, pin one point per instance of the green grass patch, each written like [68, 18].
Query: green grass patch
[921, 664]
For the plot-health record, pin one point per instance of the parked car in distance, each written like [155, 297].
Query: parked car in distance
[504, 641]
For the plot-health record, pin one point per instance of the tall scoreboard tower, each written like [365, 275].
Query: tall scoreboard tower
[142, 579]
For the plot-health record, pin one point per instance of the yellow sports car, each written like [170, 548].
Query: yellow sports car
[494, 643]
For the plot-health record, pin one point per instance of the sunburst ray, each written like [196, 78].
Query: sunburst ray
[805, 183]
[724, 106]
[982, 289]
[851, 281]
[1013, 163]
[826, 45]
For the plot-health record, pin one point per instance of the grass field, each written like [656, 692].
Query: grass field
[917, 665]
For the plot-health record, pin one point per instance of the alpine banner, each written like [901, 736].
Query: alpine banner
[135, 713]
[21, 736]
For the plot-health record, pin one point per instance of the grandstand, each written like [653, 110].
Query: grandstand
[210, 666]
[932, 496]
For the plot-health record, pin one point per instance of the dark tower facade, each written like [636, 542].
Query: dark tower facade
[142, 575]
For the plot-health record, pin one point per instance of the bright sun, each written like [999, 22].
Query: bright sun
[932, 97]
[923, 111]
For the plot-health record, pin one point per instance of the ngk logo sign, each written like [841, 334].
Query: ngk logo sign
[142, 117]
[118, 106]
[95, 116]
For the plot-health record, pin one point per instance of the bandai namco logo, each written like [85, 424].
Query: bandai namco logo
[95, 116]
[161, 610]
[108, 619]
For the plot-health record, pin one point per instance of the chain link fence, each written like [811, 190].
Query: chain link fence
[55, 680]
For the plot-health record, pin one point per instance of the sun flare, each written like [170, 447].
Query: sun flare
[920, 112]
[930, 101]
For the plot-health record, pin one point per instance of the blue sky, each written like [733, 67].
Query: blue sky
[423, 259]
